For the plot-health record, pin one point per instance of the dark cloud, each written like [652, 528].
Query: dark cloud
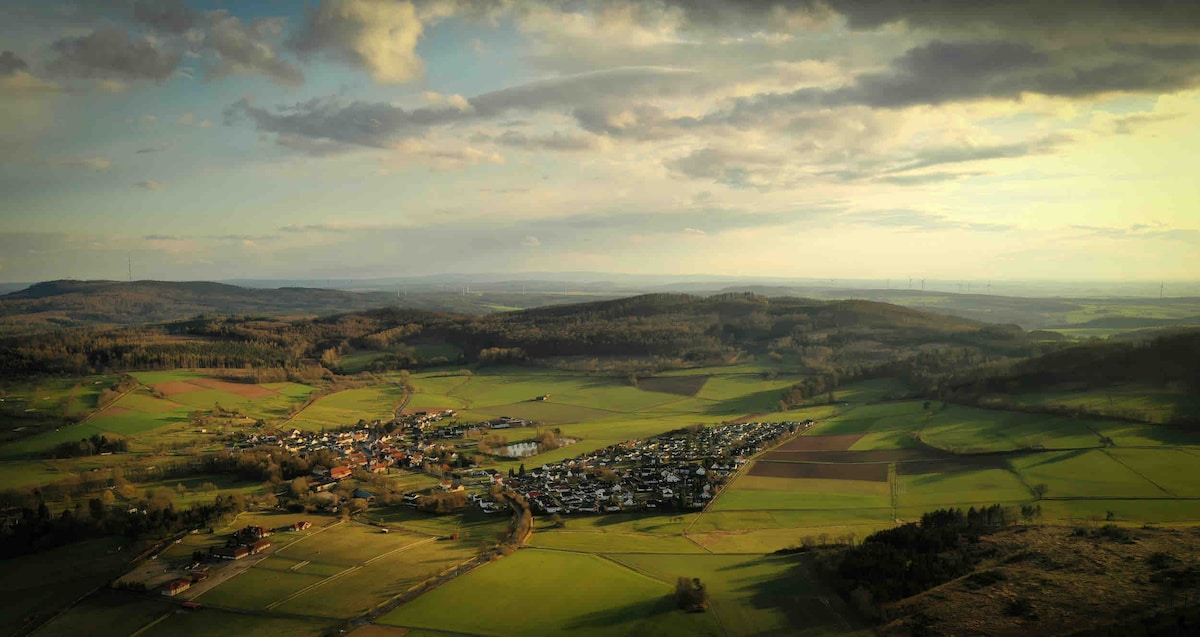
[938, 72]
[926, 178]
[169, 16]
[354, 124]
[735, 168]
[10, 64]
[942, 155]
[111, 54]
[943, 71]
[243, 48]
[557, 141]
[152, 149]
[1019, 15]
[337, 125]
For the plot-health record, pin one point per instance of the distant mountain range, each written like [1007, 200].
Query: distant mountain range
[71, 303]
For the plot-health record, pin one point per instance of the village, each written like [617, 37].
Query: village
[678, 470]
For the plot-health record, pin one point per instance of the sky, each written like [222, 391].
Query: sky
[952, 139]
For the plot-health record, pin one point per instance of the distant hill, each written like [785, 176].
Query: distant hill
[1031, 313]
[70, 303]
[658, 331]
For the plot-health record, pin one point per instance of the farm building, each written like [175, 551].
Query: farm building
[302, 525]
[339, 473]
[175, 587]
[231, 552]
[259, 547]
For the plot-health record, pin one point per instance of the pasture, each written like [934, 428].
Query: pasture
[338, 571]
[755, 595]
[349, 406]
[1084, 474]
[544, 592]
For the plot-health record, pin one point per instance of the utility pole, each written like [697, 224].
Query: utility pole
[129, 261]
[1160, 289]
[922, 285]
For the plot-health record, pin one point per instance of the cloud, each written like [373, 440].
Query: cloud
[926, 178]
[379, 36]
[151, 185]
[10, 64]
[694, 232]
[942, 155]
[530, 241]
[762, 170]
[190, 119]
[170, 16]
[330, 124]
[152, 149]
[556, 141]
[96, 163]
[1020, 15]
[163, 237]
[1137, 231]
[243, 48]
[918, 220]
[110, 54]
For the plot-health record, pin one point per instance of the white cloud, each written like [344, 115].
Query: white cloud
[531, 241]
[150, 184]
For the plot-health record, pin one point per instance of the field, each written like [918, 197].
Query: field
[559, 592]
[349, 406]
[869, 463]
[160, 406]
[336, 572]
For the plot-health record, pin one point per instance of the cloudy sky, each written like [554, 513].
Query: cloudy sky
[835, 138]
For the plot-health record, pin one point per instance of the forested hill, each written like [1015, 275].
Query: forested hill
[70, 303]
[1170, 362]
[648, 332]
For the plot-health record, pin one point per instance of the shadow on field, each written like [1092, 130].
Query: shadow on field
[1061, 457]
[798, 593]
[611, 617]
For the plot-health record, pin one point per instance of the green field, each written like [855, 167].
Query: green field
[756, 595]
[761, 493]
[596, 541]
[559, 592]
[339, 571]
[1075, 474]
[347, 407]
[938, 490]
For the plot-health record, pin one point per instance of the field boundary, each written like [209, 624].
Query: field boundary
[1138, 473]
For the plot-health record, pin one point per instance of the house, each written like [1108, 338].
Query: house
[175, 587]
[259, 547]
[364, 494]
[254, 532]
[302, 525]
[231, 552]
[339, 473]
